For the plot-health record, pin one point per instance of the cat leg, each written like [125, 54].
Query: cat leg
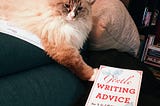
[70, 57]
[93, 77]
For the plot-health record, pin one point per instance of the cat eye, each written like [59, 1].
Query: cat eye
[80, 8]
[67, 5]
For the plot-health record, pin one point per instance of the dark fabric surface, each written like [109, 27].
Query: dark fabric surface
[124, 60]
[49, 85]
[30, 78]
[150, 87]
[17, 55]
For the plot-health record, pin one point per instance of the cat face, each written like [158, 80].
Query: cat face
[72, 9]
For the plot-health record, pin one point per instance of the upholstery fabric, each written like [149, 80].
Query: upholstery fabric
[17, 55]
[28, 77]
[48, 85]
[113, 28]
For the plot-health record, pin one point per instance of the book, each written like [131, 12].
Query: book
[115, 87]
[149, 42]
[153, 51]
[155, 17]
[146, 17]
[157, 31]
[152, 60]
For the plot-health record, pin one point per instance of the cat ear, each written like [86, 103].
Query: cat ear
[91, 1]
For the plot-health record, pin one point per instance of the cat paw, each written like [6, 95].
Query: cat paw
[94, 74]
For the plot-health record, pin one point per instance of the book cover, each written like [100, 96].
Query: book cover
[115, 87]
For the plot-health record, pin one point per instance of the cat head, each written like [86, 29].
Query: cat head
[72, 9]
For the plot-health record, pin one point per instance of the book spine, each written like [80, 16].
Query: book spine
[154, 47]
[157, 39]
[154, 17]
[151, 60]
[145, 50]
[152, 64]
[153, 51]
[146, 17]
[149, 42]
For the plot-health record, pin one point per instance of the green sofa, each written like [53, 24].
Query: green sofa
[28, 77]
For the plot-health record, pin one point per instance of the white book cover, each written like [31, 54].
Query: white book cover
[115, 87]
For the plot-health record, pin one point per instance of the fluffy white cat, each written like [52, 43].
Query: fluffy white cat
[62, 25]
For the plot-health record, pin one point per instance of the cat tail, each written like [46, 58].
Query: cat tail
[69, 57]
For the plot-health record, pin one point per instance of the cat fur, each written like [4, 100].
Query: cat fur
[60, 37]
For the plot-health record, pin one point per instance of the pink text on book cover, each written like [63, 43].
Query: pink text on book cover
[115, 87]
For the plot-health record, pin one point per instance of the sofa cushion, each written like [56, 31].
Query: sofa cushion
[113, 28]
[18, 55]
[48, 85]
[28, 77]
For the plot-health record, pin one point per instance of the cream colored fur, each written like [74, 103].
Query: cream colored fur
[61, 39]
[40, 20]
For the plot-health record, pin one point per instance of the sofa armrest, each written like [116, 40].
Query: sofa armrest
[18, 55]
